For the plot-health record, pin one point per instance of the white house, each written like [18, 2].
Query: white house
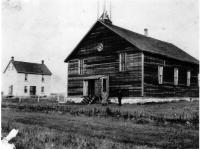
[26, 79]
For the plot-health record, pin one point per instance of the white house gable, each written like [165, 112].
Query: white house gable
[25, 79]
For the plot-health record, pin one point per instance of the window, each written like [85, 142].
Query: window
[104, 85]
[80, 65]
[188, 78]
[26, 77]
[122, 61]
[42, 78]
[175, 76]
[25, 89]
[160, 74]
[10, 91]
[42, 89]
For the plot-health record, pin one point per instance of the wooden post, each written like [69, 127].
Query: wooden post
[38, 98]
[58, 98]
[19, 99]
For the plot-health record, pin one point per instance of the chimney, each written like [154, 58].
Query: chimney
[12, 58]
[146, 32]
[42, 61]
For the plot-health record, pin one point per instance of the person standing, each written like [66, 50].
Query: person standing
[104, 98]
[119, 96]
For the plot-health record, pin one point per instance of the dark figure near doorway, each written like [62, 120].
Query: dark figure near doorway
[119, 96]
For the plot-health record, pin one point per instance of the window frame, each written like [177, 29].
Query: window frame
[80, 66]
[42, 89]
[160, 74]
[26, 77]
[25, 89]
[176, 76]
[122, 61]
[188, 77]
[42, 78]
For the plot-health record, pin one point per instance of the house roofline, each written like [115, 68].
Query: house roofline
[7, 66]
[68, 58]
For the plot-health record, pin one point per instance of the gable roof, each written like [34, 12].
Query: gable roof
[146, 44]
[30, 68]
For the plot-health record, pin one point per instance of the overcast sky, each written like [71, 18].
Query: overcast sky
[33, 30]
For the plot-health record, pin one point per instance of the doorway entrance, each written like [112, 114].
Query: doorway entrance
[91, 87]
[32, 90]
[96, 86]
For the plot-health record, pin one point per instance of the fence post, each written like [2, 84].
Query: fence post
[19, 99]
[58, 98]
[38, 99]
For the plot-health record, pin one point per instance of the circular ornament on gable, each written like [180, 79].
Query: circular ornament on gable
[100, 47]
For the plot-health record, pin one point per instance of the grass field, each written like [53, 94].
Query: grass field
[162, 125]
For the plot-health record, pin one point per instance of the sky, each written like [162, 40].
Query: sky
[35, 30]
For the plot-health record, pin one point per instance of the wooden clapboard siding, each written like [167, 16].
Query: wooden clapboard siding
[75, 87]
[73, 67]
[129, 80]
[151, 86]
[141, 75]
[106, 62]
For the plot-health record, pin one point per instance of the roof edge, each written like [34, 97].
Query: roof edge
[142, 50]
[153, 52]
[35, 73]
[67, 59]
[7, 66]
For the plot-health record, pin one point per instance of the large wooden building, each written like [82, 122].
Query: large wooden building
[110, 58]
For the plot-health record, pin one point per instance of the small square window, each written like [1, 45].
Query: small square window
[81, 66]
[42, 78]
[160, 74]
[122, 61]
[175, 76]
[188, 78]
[26, 77]
[25, 89]
[42, 89]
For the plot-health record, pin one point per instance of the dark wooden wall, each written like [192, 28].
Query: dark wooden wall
[168, 89]
[106, 62]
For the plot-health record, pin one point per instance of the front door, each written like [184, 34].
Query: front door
[96, 87]
[91, 87]
[32, 90]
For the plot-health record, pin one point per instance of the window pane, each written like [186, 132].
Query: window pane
[26, 77]
[42, 78]
[160, 74]
[25, 89]
[42, 89]
[122, 61]
[81, 63]
[175, 76]
[188, 78]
